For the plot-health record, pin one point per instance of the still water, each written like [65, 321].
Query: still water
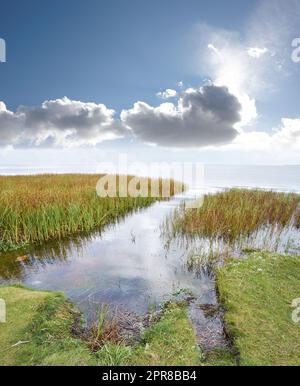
[131, 264]
[128, 265]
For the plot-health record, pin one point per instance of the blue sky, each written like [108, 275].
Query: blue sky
[114, 54]
[109, 51]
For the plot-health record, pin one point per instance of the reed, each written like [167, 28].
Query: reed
[44, 207]
[239, 212]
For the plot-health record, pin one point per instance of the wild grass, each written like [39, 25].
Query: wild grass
[232, 222]
[105, 330]
[240, 212]
[40, 331]
[258, 295]
[169, 342]
[41, 208]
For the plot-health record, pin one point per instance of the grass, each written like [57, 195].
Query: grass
[169, 342]
[239, 212]
[43, 322]
[257, 294]
[40, 208]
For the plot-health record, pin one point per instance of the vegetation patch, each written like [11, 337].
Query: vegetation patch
[239, 212]
[40, 208]
[169, 342]
[40, 330]
[258, 293]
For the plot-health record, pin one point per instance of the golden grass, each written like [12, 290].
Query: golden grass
[240, 212]
[45, 207]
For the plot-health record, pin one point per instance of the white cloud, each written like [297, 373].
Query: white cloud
[283, 140]
[60, 122]
[254, 61]
[168, 93]
[256, 52]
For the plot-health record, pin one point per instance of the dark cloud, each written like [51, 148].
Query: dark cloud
[202, 117]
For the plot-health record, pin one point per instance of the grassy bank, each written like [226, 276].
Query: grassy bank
[170, 342]
[39, 329]
[257, 294]
[239, 212]
[45, 207]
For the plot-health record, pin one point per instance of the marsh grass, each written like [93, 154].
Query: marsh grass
[232, 223]
[240, 212]
[104, 330]
[45, 207]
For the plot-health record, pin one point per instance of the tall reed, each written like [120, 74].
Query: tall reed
[237, 212]
[45, 207]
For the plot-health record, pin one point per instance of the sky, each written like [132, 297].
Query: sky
[206, 81]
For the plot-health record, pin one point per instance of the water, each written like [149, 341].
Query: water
[128, 266]
[282, 177]
[131, 264]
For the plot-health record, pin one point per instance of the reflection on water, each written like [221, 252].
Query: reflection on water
[128, 265]
[135, 264]
[205, 251]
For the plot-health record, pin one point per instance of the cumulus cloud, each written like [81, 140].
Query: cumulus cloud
[60, 122]
[201, 117]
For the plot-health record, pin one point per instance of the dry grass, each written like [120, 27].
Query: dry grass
[240, 212]
[45, 207]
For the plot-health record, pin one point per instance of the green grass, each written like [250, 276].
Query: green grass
[239, 212]
[44, 207]
[257, 294]
[169, 342]
[43, 321]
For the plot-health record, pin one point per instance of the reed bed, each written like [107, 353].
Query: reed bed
[44, 207]
[234, 213]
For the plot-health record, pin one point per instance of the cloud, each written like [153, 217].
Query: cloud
[202, 117]
[60, 122]
[221, 54]
[272, 25]
[283, 141]
[257, 52]
[253, 62]
[168, 93]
